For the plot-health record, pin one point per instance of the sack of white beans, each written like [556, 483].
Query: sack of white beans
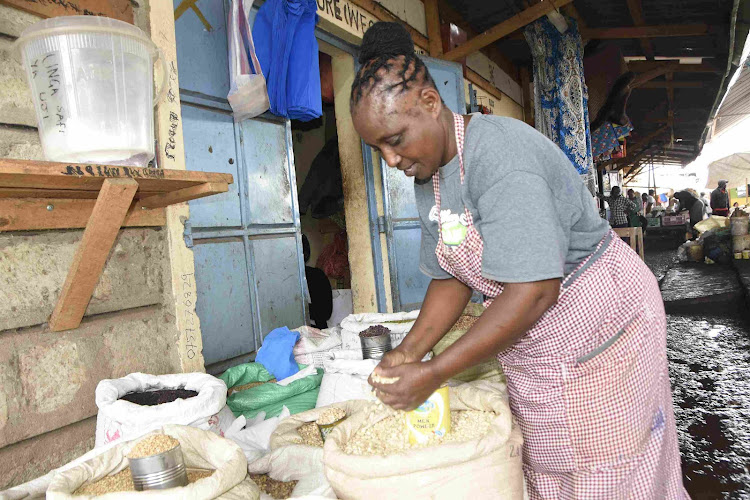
[202, 450]
[480, 459]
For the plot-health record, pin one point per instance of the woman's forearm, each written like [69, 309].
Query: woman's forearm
[444, 302]
[511, 314]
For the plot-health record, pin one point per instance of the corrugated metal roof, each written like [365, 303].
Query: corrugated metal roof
[736, 104]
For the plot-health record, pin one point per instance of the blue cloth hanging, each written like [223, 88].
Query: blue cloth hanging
[285, 43]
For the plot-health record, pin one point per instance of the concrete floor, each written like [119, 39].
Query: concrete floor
[709, 356]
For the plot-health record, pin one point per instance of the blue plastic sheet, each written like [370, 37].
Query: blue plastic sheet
[285, 43]
[276, 353]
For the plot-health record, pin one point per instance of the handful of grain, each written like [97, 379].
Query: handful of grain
[277, 489]
[330, 416]
[153, 445]
[123, 481]
[384, 380]
[390, 435]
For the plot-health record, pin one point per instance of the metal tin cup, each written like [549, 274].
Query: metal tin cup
[326, 429]
[159, 472]
[376, 346]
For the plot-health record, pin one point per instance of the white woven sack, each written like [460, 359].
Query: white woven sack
[488, 467]
[119, 419]
[200, 449]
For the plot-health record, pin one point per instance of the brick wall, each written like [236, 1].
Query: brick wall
[48, 379]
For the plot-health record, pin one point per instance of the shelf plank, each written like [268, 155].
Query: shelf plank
[186, 194]
[31, 214]
[36, 175]
[109, 212]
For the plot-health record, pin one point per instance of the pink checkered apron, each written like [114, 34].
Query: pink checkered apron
[588, 383]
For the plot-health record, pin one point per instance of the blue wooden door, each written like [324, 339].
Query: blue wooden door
[246, 242]
[401, 221]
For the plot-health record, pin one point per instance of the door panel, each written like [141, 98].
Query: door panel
[402, 226]
[246, 242]
[266, 153]
[211, 148]
[202, 54]
[223, 304]
[278, 282]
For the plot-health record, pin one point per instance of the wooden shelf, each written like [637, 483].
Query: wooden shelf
[102, 198]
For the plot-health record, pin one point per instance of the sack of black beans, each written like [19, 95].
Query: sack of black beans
[139, 402]
[216, 468]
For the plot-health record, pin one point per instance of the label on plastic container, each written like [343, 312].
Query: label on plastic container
[432, 418]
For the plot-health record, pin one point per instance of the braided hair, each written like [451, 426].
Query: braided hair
[390, 47]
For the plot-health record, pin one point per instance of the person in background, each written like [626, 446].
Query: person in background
[706, 204]
[651, 199]
[689, 202]
[619, 206]
[720, 199]
[635, 198]
[674, 205]
[647, 205]
[321, 295]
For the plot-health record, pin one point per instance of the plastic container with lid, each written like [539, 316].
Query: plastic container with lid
[91, 80]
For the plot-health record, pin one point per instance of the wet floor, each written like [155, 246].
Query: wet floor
[710, 370]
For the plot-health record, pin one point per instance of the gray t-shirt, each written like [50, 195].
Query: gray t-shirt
[531, 207]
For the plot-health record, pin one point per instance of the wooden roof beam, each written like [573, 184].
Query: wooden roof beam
[432, 16]
[672, 85]
[668, 30]
[636, 12]
[643, 66]
[505, 28]
[450, 15]
[657, 71]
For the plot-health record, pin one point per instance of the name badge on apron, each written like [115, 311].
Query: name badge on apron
[454, 233]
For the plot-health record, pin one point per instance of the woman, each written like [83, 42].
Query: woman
[688, 201]
[573, 315]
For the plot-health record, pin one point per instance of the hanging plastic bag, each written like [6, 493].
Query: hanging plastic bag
[247, 85]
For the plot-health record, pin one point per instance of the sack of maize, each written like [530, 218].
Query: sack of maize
[368, 456]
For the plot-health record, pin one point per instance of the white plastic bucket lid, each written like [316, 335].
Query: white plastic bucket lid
[82, 24]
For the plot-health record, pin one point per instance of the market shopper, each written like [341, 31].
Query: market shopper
[619, 208]
[573, 315]
[720, 199]
[647, 205]
[693, 205]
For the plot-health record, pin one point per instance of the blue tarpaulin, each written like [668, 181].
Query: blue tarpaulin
[285, 43]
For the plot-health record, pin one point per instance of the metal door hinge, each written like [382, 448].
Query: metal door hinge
[381, 223]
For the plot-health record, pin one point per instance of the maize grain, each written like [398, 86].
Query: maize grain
[277, 489]
[330, 416]
[310, 434]
[123, 481]
[384, 380]
[153, 445]
[390, 435]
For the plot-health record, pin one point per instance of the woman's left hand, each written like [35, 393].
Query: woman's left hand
[416, 383]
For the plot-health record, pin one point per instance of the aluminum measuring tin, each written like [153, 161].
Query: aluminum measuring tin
[376, 346]
[159, 472]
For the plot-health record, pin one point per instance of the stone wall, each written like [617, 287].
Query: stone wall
[48, 379]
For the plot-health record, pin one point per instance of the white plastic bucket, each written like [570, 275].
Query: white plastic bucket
[91, 80]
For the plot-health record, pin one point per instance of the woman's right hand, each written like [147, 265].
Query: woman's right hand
[397, 357]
